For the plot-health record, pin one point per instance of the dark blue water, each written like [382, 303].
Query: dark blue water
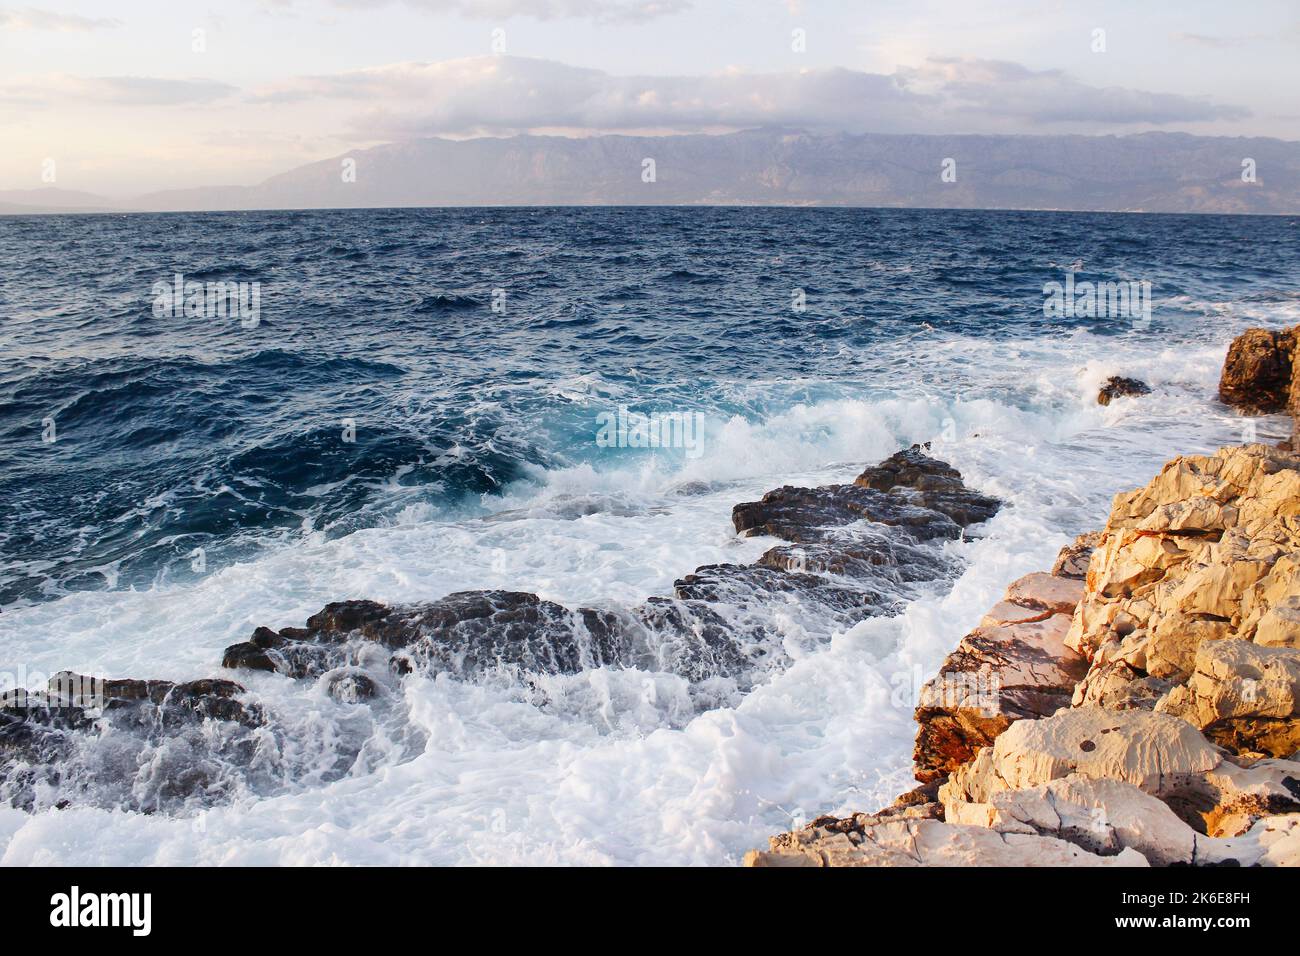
[174, 434]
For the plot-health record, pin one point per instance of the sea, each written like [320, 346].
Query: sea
[211, 422]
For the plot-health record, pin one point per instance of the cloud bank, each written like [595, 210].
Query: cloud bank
[503, 95]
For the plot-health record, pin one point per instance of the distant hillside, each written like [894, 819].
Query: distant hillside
[1150, 172]
[26, 202]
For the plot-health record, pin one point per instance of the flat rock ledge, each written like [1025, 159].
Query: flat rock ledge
[1137, 706]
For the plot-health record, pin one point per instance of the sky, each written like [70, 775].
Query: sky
[122, 97]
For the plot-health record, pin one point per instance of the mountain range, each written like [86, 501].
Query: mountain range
[1144, 172]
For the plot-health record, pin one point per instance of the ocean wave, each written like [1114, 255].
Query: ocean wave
[476, 465]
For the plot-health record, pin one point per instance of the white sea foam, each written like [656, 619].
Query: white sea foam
[614, 766]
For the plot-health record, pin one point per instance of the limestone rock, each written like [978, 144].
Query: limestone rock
[1100, 815]
[1150, 751]
[1055, 595]
[1244, 696]
[928, 842]
[1073, 559]
[1105, 817]
[1279, 626]
[1271, 841]
[1181, 660]
[1014, 666]
[1158, 754]
[1207, 551]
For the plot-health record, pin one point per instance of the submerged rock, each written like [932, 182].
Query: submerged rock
[690, 638]
[1117, 386]
[74, 701]
[133, 744]
[866, 555]
[464, 633]
[733, 584]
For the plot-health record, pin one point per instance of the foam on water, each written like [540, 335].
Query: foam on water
[476, 467]
[622, 766]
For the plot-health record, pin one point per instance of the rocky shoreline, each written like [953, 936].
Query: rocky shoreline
[1139, 705]
[1135, 705]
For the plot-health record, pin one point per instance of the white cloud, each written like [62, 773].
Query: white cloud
[112, 90]
[504, 95]
[1014, 92]
[30, 18]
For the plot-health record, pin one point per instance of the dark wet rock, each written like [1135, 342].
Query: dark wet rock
[341, 618]
[806, 515]
[352, 687]
[1117, 386]
[252, 655]
[737, 584]
[689, 638]
[1257, 371]
[35, 727]
[463, 633]
[926, 482]
[70, 699]
[910, 491]
[911, 468]
[471, 631]
[965, 508]
[690, 489]
[892, 557]
[713, 627]
[132, 744]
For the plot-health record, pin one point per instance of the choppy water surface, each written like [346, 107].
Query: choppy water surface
[200, 485]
